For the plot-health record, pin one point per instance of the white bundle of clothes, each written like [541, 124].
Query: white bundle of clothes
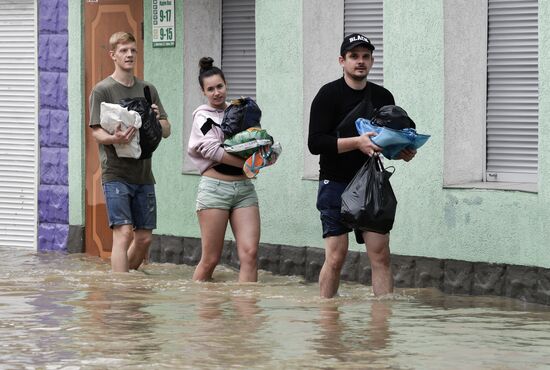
[112, 115]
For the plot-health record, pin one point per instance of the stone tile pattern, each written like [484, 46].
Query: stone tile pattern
[53, 120]
[529, 284]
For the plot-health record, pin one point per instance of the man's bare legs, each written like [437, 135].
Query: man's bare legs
[378, 250]
[139, 249]
[129, 247]
[122, 238]
[336, 249]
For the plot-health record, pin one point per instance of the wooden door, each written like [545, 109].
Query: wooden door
[102, 19]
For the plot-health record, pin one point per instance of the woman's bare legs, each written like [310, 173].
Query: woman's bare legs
[245, 223]
[213, 223]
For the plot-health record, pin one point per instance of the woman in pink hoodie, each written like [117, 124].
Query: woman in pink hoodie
[224, 192]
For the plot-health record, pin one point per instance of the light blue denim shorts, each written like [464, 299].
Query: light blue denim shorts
[131, 204]
[214, 193]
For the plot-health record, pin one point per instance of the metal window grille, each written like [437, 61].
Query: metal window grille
[366, 17]
[239, 47]
[512, 91]
[18, 154]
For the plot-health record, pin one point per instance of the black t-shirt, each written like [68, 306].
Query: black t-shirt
[329, 107]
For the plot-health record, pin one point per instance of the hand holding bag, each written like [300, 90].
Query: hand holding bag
[150, 132]
[368, 202]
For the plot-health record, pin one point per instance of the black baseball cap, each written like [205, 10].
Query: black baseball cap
[353, 40]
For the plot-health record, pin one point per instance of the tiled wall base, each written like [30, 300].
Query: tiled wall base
[530, 284]
[75, 242]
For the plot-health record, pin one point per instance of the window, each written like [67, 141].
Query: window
[512, 91]
[19, 162]
[491, 95]
[366, 17]
[231, 42]
[239, 47]
[202, 33]
[322, 47]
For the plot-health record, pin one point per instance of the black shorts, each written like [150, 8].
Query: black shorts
[329, 204]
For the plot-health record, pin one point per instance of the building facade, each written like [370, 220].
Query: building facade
[474, 203]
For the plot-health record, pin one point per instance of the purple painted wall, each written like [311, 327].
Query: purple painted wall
[53, 193]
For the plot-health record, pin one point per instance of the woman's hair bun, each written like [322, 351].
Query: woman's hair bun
[206, 63]
[208, 69]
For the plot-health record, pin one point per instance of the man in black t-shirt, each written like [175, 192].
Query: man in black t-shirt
[340, 159]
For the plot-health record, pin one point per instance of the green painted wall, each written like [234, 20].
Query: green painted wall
[281, 189]
[75, 90]
[473, 225]
[175, 192]
[287, 202]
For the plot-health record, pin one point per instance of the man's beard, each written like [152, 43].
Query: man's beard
[358, 78]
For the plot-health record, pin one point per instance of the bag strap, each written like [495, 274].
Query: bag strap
[368, 99]
[369, 108]
[380, 165]
[147, 94]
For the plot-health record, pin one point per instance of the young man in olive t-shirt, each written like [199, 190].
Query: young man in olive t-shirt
[128, 183]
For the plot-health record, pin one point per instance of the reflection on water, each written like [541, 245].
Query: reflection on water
[352, 340]
[69, 311]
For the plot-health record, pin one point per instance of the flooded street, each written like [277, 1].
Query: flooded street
[70, 312]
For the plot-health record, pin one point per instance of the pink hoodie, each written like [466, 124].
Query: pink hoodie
[205, 143]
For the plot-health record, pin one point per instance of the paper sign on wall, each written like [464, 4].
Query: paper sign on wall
[164, 33]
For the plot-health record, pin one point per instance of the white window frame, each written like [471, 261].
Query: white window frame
[465, 103]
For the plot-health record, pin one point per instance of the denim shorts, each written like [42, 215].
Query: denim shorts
[329, 204]
[214, 193]
[131, 204]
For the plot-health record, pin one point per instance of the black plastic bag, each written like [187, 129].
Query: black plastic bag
[368, 203]
[150, 132]
[242, 114]
[392, 116]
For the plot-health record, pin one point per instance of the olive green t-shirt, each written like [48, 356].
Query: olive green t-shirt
[114, 168]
